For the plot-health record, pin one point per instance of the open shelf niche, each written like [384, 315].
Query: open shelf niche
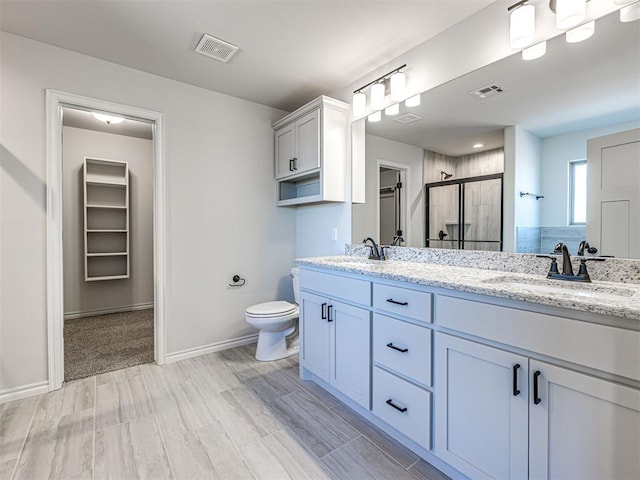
[106, 219]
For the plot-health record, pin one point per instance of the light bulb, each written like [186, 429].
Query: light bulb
[392, 109]
[359, 104]
[522, 25]
[535, 51]
[412, 101]
[375, 117]
[377, 96]
[398, 86]
[582, 32]
[570, 13]
[630, 13]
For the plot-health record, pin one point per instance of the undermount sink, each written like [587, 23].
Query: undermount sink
[558, 287]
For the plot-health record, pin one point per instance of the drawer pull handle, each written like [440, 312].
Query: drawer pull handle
[329, 310]
[400, 409]
[516, 392]
[395, 302]
[536, 398]
[403, 350]
[324, 311]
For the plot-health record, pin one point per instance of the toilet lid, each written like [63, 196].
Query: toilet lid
[270, 309]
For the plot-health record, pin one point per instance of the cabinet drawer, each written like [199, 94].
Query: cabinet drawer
[415, 421]
[410, 303]
[582, 343]
[415, 362]
[335, 286]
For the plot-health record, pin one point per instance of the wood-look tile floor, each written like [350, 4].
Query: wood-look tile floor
[223, 415]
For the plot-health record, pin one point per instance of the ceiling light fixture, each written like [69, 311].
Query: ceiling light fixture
[392, 110]
[630, 13]
[581, 33]
[522, 24]
[478, 145]
[108, 119]
[397, 82]
[535, 51]
[412, 101]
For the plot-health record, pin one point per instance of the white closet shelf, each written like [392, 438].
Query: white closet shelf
[121, 207]
[107, 254]
[106, 231]
[106, 183]
[111, 277]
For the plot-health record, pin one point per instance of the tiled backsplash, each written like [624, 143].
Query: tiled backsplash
[611, 270]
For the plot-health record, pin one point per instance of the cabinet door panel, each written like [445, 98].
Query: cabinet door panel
[583, 427]
[308, 142]
[285, 148]
[351, 352]
[314, 335]
[481, 426]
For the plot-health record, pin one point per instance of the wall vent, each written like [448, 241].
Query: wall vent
[487, 91]
[215, 48]
[407, 118]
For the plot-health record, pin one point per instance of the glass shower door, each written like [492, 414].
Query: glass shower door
[483, 215]
[443, 213]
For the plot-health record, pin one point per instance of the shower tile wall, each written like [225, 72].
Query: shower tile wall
[472, 165]
[528, 239]
[570, 236]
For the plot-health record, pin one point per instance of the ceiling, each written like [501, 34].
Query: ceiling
[573, 87]
[290, 51]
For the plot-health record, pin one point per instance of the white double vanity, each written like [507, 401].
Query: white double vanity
[485, 373]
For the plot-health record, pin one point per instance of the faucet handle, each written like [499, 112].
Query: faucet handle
[553, 268]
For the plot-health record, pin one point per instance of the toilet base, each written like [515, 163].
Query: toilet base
[273, 346]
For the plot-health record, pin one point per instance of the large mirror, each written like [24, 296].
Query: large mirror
[496, 159]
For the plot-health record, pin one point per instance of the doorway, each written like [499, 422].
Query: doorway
[105, 250]
[391, 203]
[107, 242]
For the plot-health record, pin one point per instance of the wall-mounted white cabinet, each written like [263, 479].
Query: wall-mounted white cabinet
[311, 153]
[106, 219]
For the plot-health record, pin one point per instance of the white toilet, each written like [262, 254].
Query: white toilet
[276, 321]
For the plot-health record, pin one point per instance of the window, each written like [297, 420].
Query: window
[578, 192]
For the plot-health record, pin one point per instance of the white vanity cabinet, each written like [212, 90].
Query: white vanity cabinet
[500, 414]
[311, 153]
[336, 336]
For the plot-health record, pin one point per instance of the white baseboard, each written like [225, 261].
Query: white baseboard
[23, 391]
[105, 311]
[212, 347]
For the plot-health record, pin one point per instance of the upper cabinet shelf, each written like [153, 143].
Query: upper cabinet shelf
[311, 153]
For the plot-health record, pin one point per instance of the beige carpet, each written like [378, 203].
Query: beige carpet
[103, 343]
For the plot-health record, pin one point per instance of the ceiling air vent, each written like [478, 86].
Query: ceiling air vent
[215, 48]
[407, 118]
[487, 91]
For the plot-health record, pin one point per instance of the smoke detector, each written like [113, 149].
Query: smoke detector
[407, 118]
[215, 48]
[487, 91]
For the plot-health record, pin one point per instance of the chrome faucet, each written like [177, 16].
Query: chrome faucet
[375, 250]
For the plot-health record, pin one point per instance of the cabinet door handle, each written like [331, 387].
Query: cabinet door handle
[391, 404]
[395, 302]
[403, 350]
[324, 311]
[329, 310]
[536, 398]
[516, 392]
[295, 161]
[291, 164]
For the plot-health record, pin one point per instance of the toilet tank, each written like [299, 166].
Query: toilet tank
[296, 283]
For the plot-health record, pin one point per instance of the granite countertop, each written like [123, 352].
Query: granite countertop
[605, 298]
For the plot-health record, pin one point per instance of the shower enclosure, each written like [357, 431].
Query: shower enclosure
[465, 213]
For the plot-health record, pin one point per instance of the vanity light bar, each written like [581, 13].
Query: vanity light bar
[398, 82]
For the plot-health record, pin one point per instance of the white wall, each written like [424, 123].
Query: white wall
[221, 213]
[81, 296]
[522, 159]
[364, 215]
[557, 151]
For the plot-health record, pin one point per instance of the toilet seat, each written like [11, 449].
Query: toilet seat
[272, 309]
